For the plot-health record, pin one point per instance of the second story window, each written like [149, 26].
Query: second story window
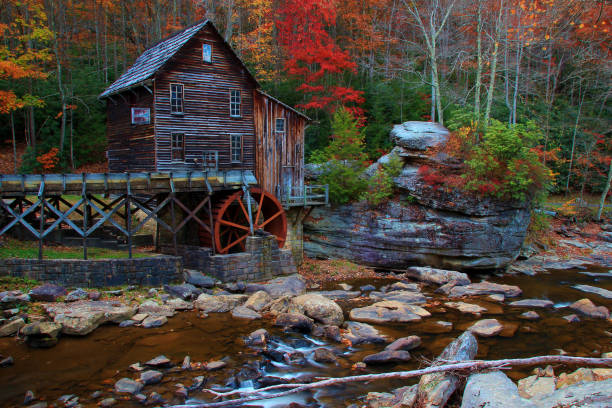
[236, 148]
[176, 98]
[178, 147]
[207, 53]
[234, 103]
[279, 126]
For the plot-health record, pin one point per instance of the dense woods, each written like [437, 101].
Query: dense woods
[542, 64]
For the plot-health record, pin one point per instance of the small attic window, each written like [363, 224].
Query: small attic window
[207, 53]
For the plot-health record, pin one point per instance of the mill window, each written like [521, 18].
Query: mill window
[234, 103]
[279, 126]
[178, 147]
[236, 148]
[207, 53]
[176, 98]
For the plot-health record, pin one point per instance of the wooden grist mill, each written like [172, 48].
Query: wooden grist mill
[193, 144]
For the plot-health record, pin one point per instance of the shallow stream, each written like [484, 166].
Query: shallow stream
[81, 366]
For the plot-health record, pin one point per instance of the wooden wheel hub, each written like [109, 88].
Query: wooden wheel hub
[231, 218]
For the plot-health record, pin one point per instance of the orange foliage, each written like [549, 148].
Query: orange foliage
[49, 160]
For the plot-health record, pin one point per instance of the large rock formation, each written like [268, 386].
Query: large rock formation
[423, 224]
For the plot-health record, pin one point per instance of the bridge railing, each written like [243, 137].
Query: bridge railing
[307, 195]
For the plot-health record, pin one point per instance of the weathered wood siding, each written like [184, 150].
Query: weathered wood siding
[206, 121]
[130, 147]
[280, 158]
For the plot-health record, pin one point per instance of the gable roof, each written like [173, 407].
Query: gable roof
[155, 57]
[285, 105]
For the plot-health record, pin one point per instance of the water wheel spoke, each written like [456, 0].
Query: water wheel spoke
[231, 245]
[244, 211]
[272, 218]
[259, 206]
[233, 224]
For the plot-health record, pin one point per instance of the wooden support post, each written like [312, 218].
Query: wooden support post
[86, 211]
[173, 224]
[41, 230]
[212, 225]
[128, 216]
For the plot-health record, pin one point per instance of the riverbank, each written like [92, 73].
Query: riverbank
[337, 319]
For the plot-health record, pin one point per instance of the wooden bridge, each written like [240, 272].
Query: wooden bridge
[40, 205]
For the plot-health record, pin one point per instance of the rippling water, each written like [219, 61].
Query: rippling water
[81, 366]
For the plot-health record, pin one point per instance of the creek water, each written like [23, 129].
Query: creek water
[82, 365]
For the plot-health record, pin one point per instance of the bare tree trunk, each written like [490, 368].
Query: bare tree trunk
[604, 193]
[229, 25]
[569, 173]
[491, 89]
[14, 143]
[479, 63]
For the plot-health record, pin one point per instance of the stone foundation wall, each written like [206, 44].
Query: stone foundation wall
[262, 260]
[95, 273]
[295, 234]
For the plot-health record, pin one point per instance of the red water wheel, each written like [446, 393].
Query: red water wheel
[232, 223]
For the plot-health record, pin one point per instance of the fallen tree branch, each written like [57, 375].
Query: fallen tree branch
[463, 366]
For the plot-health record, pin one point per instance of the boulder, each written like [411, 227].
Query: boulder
[257, 338]
[197, 278]
[323, 355]
[11, 327]
[419, 136]
[151, 307]
[404, 286]
[387, 356]
[581, 374]
[219, 303]
[532, 303]
[154, 321]
[597, 394]
[588, 308]
[358, 333]
[319, 308]
[185, 291]
[151, 377]
[385, 312]
[404, 296]
[536, 386]
[284, 286]
[179, 304]
[466, 307]
[258, 300]
[47, 293]
[81, 317]
[241, 312]
[77, 294]
[594, 289]
[405, 343]
[437, 276]
[485, 288]
[294, 321]
[128, 386]
[486, 328]
[81, 323]
[339, 294]
[41, 334]
[494, 390]
[434, 390]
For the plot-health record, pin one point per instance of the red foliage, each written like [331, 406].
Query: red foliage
[49, 160]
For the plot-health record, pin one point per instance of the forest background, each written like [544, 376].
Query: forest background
[543, 64]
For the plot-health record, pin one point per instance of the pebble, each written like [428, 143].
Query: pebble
[151, 377]
[127, 385]
[159, 361]
[29, 397]
[215, 365]
[154, 321]
[530, 315]
[96, 394]
[140, 398]
[572, 318]
[108, 402]
[181, 391]
[186, 363]
[155, 398]
[8, 361]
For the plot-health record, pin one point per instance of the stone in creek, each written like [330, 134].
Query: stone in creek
[384, 312]
[436, 327]
[405, 343]
[185, 291]
[466, 307]
[47, 293]
[403, 296]
[38, 405]
[11, 327]
[151, 377]
[434, 390]
[179, 304]
[588, 308]
[332, 333]
[358, 333]
[529, 315]
[12, 299]
[215, 365]
[140, 398]
[127, 323]
[345, 286]
[181, 391]
[241, 312]
[8, 313]
[94, 295]
[486, 328]
[159, 361]
[152, 308]
[493, 389]
[293, 285]
[532, 303]
[596, 394]
[257, 338]
[154, 321]
[127, 385]
[197, 278]
[594, 289]
[437, 276]
[83, 316]
[485, 288]
[77, 294]
[319, 308]
[186, 365]
[258, 300]
[7, 361]
[107, 402]
[572, 318]
[29, 397]
[404, 286]
[536, 386]
[497, 297]
[367, 288]
[323, 355]
[41, 334]
[295, 321]
[387, 357]
[220, 303]
[140, 317]
[339, 294]
[136, 367]
[197, 383]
